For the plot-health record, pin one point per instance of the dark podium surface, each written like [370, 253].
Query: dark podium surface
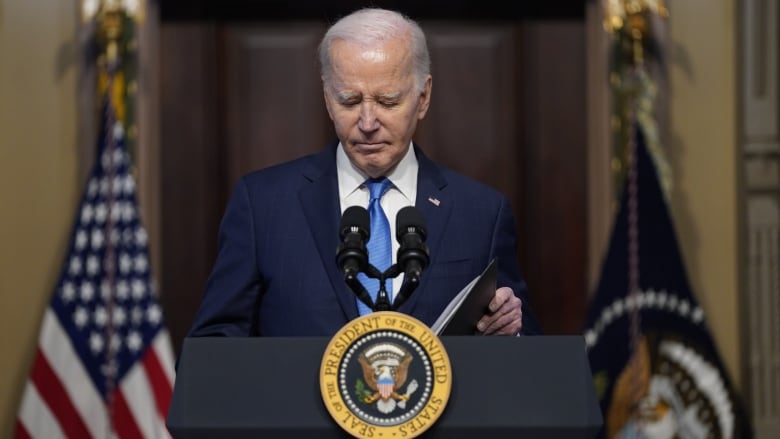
[518, 387]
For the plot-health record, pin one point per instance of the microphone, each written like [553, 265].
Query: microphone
[352, 256]
[410, 233]
[412, 257]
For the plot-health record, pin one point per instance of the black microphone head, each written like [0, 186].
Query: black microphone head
[409, 219]
[413, 256]
[351, 255]
[355, 219]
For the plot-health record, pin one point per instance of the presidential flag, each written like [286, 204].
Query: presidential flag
[656, 369]
[103, 367]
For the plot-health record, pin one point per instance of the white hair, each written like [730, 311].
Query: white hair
[369, 26]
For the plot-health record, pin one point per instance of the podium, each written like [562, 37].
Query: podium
[503, 387]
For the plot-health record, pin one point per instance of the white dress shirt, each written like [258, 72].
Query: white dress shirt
[402, 192]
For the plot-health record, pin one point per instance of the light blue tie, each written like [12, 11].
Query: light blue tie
[380, 248]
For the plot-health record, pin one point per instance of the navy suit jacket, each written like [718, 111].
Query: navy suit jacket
[276, 272]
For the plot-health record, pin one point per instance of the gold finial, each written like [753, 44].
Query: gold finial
[636, 53]
[90, 9]
[110, 28]
[621, 13]
[113, 26]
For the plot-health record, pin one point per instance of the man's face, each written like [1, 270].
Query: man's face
[374, 103]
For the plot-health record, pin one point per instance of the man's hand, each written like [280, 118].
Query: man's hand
[505, 316]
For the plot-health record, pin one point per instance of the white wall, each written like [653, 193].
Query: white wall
[702, 151]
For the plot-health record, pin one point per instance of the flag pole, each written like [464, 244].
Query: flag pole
[110, 31]
[635, 51]
[628, 21]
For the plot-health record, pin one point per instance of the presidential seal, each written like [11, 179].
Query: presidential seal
[385, 375]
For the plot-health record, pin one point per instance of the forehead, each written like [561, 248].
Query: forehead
[378, 68]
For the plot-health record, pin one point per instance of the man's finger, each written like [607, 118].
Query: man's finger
[501, 296]
[506, 317]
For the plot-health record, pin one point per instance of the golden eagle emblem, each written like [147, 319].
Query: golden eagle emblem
[385, 368]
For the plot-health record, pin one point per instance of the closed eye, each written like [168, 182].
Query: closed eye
[348, 99]
[389, 100]
[388, 104]
[349, 102]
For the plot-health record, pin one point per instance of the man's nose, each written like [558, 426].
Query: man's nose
[368, 118]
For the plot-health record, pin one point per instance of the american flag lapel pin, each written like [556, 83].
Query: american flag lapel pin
[434, 201]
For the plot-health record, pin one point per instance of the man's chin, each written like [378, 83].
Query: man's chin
[374, 170]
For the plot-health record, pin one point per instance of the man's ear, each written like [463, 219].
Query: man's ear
[425, 97]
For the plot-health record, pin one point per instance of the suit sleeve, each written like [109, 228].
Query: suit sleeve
[504, 247]
[233, 289]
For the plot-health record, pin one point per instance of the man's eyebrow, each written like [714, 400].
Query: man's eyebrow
[349, 95]
[346, 95]
[390, 96]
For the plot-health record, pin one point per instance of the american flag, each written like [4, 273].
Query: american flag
[104, 365]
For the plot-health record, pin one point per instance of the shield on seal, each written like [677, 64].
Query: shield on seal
[385, 385]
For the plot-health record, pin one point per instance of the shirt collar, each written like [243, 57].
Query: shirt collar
[403, 176]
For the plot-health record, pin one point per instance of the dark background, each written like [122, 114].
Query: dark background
[248, 10]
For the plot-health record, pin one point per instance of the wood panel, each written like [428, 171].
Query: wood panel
[273, 101]
[554, 223]
[330, 10]
[472, 123]
[192, 168]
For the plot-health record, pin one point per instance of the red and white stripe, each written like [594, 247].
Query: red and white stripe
[385, 390]
[60, 400]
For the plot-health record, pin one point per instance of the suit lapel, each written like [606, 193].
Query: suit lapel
[435, 204]
[320, 203]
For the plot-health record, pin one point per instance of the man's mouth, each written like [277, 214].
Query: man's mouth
[370, 145]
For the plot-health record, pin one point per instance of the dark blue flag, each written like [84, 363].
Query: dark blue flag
[656, 369]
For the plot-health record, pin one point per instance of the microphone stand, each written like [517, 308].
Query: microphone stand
[382, 303]
[360, 291]
[382, 298]
[408, 286]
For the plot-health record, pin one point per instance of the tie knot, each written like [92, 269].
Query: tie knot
[377, 187]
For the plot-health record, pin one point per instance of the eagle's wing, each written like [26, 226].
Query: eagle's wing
[368, 373]
[402, 370]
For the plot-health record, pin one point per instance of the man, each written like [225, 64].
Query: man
[276, 273]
